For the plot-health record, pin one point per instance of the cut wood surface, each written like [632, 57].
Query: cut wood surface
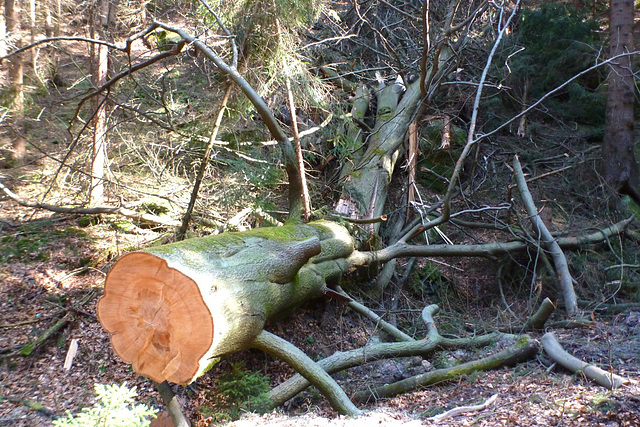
[172, 310]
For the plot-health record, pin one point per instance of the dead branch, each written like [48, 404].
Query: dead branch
[344, 84]
[36, 406]
[541, 316]
[348, 359]
[203, 165]
[553, 92]
[558, 354]
[126, 48]
[463, 410]
[471, 140]
[120, 210]
[488, 250]
[306, 199]
[291, 166]
[380, 323]
[53, 39]
[549, 243]
[172, 404]
[522, 350]
[291, 354]
[29, 348]
[107, 85]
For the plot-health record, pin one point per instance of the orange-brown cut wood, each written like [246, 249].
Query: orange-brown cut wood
[157, 318]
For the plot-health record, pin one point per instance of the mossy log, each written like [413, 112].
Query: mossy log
[172, 310]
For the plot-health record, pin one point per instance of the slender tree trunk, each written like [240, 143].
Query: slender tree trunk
[15, 77]
[306, 200]
[96, 194]
[3, 32]
[619, 165]
[180, 235]
[99, 132]
[32, 34]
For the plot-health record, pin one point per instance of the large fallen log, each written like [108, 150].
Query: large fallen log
[173, 310]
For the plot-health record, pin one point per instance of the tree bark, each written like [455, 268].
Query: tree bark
[619, 165]
[96, 194]
[606, 379]
[366, 185]
[549, 242]
[172, 310]
[15, 77]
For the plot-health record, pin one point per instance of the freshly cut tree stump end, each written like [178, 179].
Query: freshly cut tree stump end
[157, 318]
[173, 310]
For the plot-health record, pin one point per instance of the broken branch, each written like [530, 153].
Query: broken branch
[558, 354]
[550, 244]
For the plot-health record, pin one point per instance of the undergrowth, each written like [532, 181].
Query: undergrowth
[238, 390]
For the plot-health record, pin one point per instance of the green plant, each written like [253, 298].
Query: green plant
[239, 390]
[114, 408]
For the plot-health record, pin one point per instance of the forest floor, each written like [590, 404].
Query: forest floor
[52, 269]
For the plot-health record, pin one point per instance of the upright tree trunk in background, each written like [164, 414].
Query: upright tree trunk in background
[619, 166]
[3, 33]
[15, 76]
[96, 195]
[32, 34]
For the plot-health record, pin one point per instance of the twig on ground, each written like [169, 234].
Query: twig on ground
[463, 410]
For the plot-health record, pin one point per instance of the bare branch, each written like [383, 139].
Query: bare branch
[489, 250]
[446, 205]
[293, 173]
[552, 92]
[606, 379]
[176, 50]
[550, 244]
[91, 211]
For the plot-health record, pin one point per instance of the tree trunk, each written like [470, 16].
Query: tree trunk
[98, 159]
[172, 310]
[3, 33]
[366, 184]
[15, 77]
[619, 166]
[96, 195]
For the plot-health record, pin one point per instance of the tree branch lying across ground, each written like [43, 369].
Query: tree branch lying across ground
[555, 351]
[120, 210]
[348, 359]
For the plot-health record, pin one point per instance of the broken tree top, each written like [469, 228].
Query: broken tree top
[172, 310]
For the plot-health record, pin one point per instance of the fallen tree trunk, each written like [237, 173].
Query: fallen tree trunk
[173, 310]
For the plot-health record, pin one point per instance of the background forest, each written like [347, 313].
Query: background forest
[480, 154]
